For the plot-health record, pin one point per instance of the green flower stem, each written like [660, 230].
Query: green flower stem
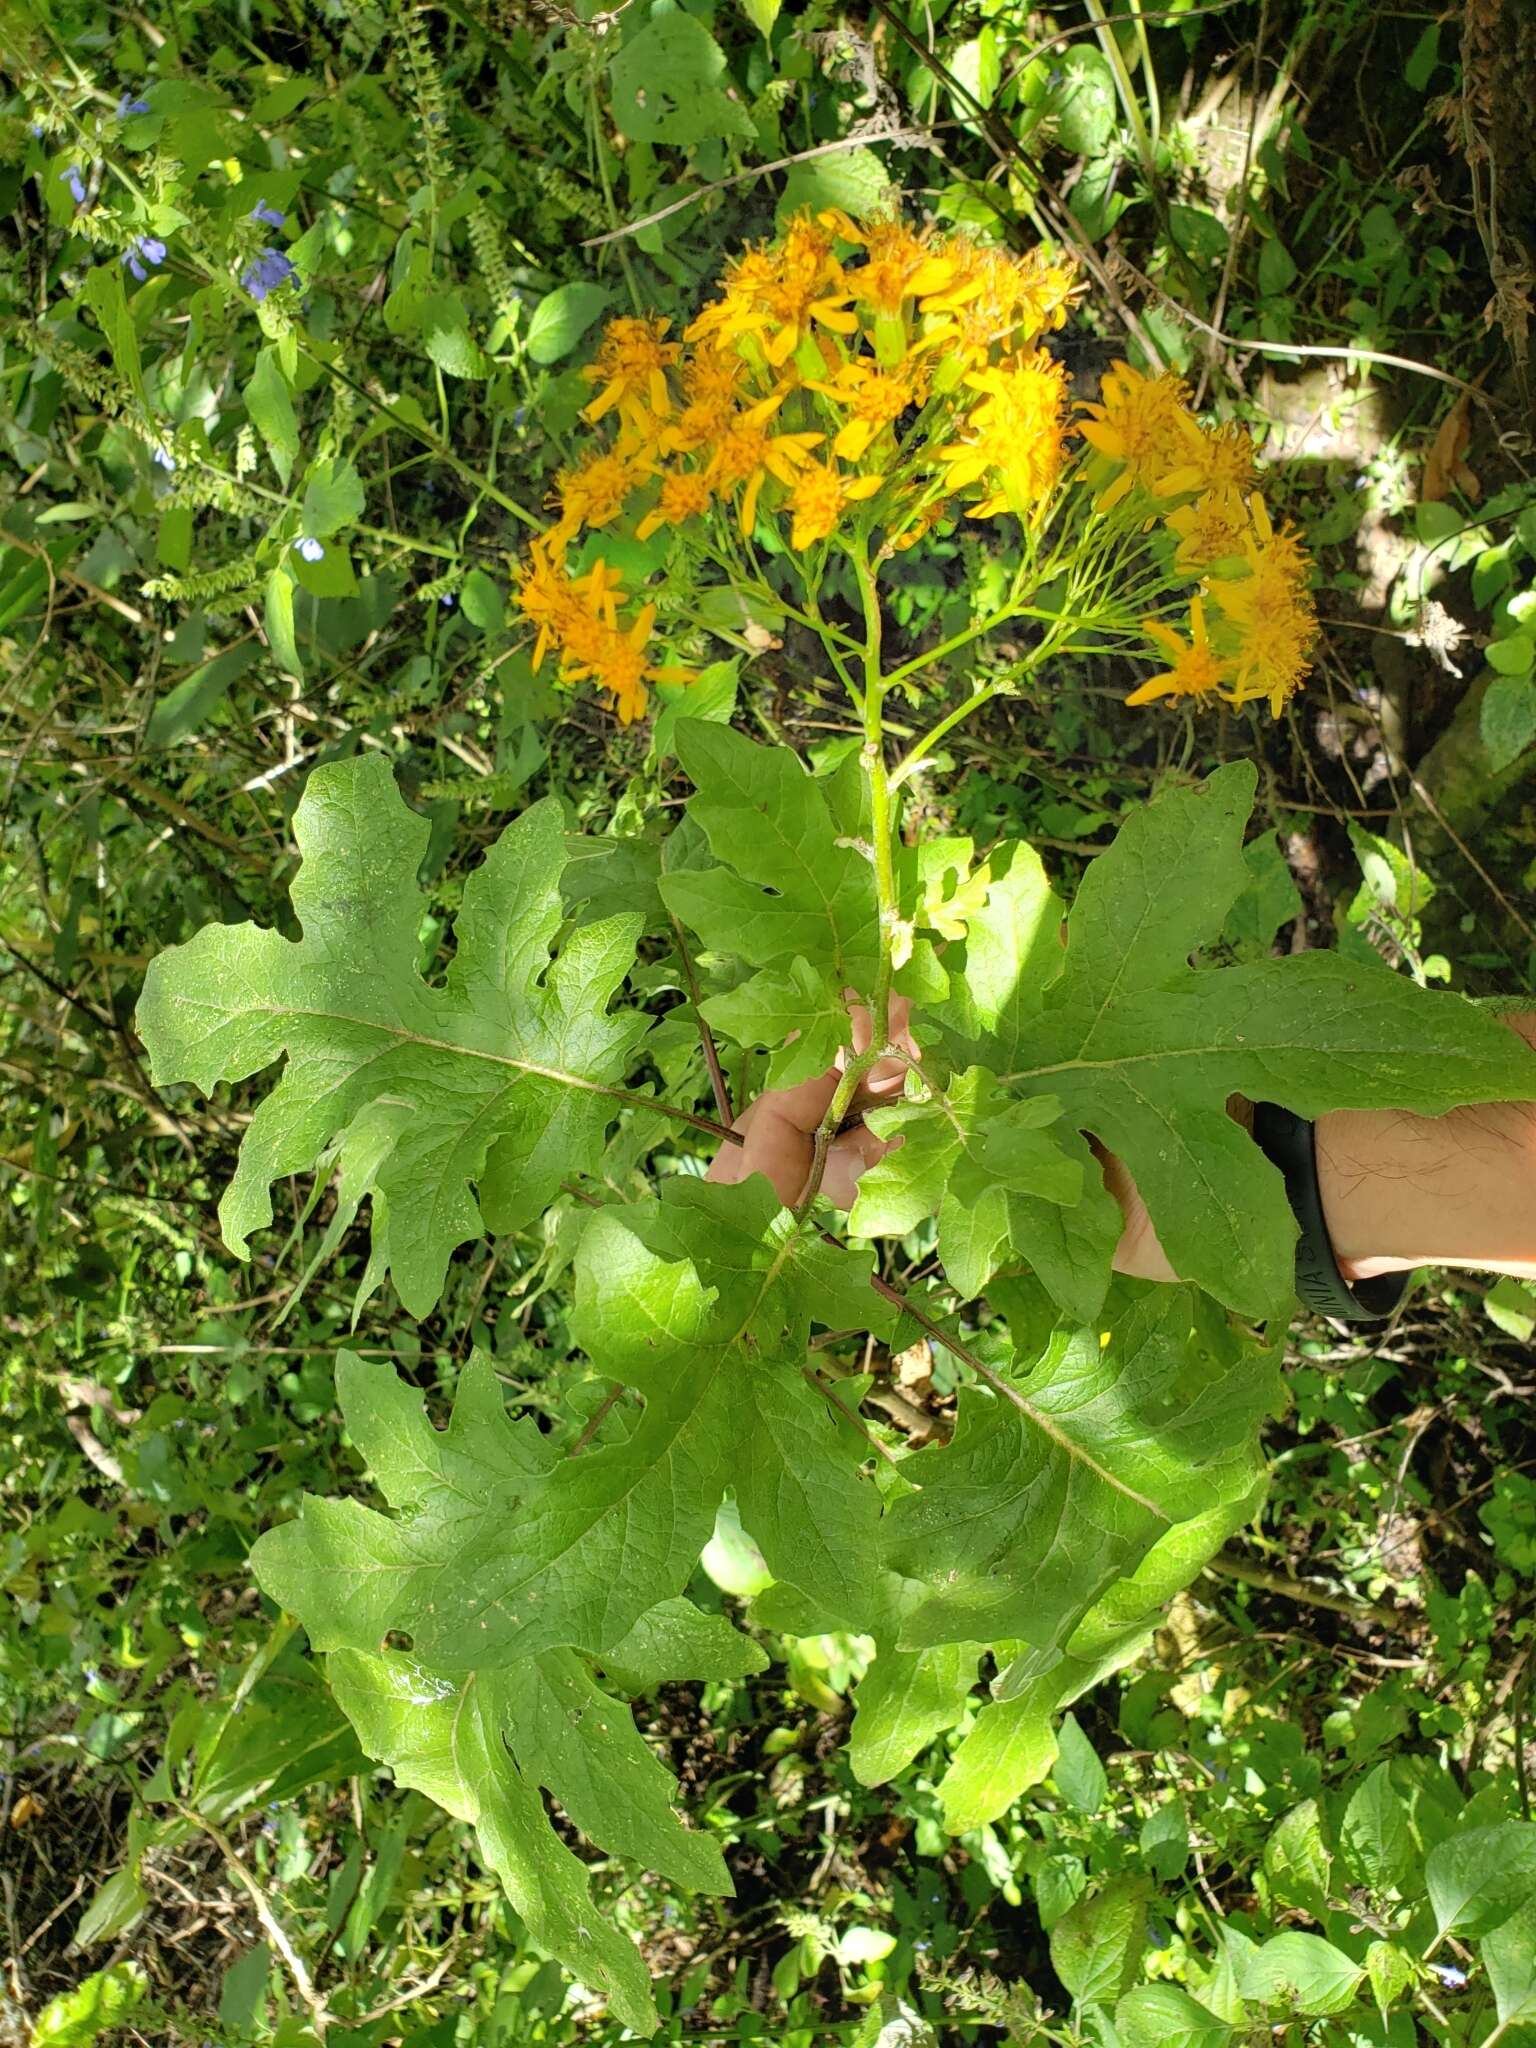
[911, 760]
[881, 818]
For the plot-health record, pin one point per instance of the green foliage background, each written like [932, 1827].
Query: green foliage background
[1305, 1798]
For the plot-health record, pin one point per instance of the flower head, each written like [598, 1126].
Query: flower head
[631, 366]
[776, 291]
[310, 549]
[270, 271]
[1213, 459]
[1269, 621]
[1212, 529]
[818, 498]
[1138, 427]
[579, 616]
[163, 459]
[874, 397]
[685, 494]
[1194, 668]
[70, 176]
[1013, 443]
[267, 215]
[596, 491]
[144, 249]
[899, 264]
[128, 104]
[748, 453]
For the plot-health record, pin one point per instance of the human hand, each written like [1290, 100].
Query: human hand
[778, 1130]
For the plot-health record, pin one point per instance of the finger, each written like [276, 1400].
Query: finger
[848, 1157]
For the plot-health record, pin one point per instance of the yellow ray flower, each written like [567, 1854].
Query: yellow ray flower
[631, 366]
[1269, 619]
[874, 398]
[711, 384]
[775, 292]
[1137, 426]
[1000, 301]
[596, 491]
[1194, 669]
[900, 263]
[819, 496]
[1213, 459]
[1014, 434]
[747, 454]
[685, 494]
[1210, 530]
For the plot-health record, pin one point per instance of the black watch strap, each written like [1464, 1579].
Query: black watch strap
[1288, 1141]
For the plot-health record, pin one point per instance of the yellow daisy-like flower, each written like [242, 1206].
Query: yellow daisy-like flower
[685, 494]
[1214, 459]
[1000, 301]
[631, 365]
[1194, 668]
[900, 263]
[875, 398]
[711, 379]
[818, 498]
[747, 454]
[1269, 619]
[775, 293]
[1015, 434]
[1137, 426]
[596, 491]
[615, 658]
[1212, 529]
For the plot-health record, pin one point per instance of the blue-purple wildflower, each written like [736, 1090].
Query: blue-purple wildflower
[71, 177]
[267, 215]
[270, 270]
[130, 104]
[163, 460]
[447, 600]
[309, 548]
[146, 249]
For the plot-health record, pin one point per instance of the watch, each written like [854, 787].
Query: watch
[1290, 1142]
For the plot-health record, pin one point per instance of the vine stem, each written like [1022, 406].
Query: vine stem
[722, 1093]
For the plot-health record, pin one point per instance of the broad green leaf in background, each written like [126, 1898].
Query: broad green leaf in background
[270, 405]
[1163, 2016]
[1144, 1051]
[561, 318]
[1508, 713]
[103, 2002]
[1300, 1973]
[509, 1068]
[670, 85]
[1509, 1957]
[333, 498]
[1044, 1499]
[854, 179]
[1478, 1877]
[904, 1700]
[277, 614]
[1375, 1835]
[1297, 1860]
[1079, 1776]
[1096, 1945]
[449, 1741]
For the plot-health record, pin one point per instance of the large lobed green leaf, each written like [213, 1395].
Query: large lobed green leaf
[500, 1081]
[1142, 1050]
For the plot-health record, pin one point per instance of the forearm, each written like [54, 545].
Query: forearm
[1459, 1190]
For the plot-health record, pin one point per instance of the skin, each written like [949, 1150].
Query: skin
[1398, 1190]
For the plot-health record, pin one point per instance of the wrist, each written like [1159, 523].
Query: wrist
[1400, 1190]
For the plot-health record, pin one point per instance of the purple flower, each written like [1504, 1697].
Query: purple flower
[37, 130]
[311, 549]
[71, 177]
[129, 105]
[268, 215]
[270, 270]
[163, 460]
[447, 600]
[146, 249]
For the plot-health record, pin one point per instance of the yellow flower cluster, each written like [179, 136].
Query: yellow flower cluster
[1200, 483]
[841, 364]
[868, 382]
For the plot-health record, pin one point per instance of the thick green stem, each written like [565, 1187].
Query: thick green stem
[882, 820]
